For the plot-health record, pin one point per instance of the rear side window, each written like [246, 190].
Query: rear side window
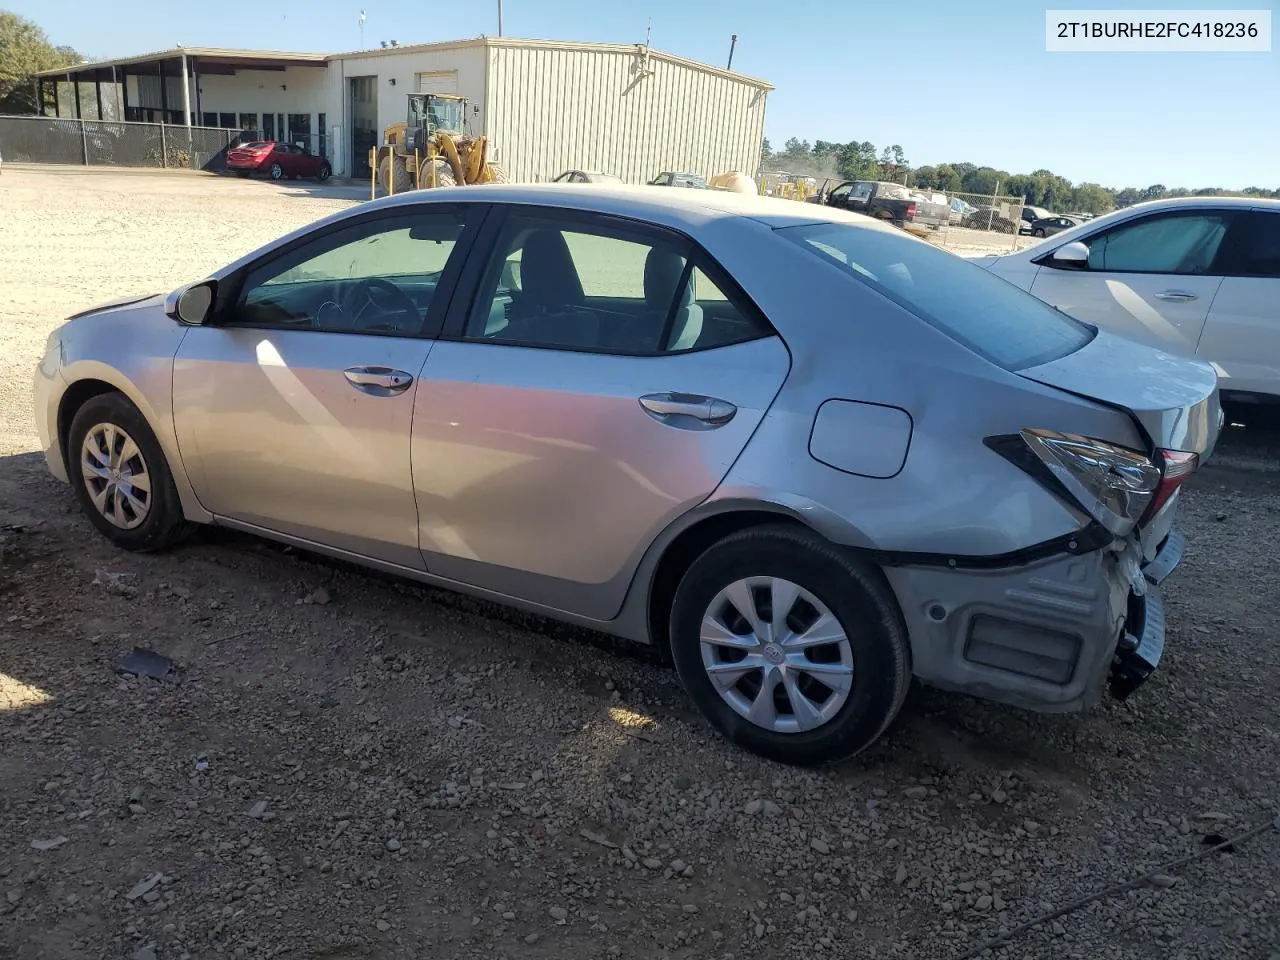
[990, 316]
[1262, 256]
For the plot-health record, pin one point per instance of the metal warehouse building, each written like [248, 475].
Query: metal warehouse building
[545, 106]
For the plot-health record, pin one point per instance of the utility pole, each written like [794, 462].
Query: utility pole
[499, 17]
[362, 19]
[733, 42]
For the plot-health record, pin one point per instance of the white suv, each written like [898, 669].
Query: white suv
[1197, 276]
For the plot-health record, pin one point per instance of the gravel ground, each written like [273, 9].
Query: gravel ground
[355, 767]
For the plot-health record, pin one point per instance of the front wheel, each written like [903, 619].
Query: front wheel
[324, 173]
[121, 478]
[789, 646]
[277, 172]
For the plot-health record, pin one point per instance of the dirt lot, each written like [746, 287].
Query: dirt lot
[358, 768]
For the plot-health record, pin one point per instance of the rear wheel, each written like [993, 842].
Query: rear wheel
[390, 167]
[791, 647]
[1037, 233]
[121, 478]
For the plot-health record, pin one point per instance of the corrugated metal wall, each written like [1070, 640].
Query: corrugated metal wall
[552, 109]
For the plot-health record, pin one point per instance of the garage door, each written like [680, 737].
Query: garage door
[438, 81]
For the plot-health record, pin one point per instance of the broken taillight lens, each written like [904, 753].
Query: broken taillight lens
[1177, 466]
[1114, 485]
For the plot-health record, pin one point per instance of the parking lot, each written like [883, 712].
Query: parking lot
[354, 767]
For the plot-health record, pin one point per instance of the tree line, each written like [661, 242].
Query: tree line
[25, 50]
[1041, 188]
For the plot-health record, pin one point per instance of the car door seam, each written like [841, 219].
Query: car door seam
[1208, 313]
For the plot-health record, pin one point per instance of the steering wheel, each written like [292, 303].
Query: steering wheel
[365, 295]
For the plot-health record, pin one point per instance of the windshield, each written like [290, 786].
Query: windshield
[438, 114]
[990, 316]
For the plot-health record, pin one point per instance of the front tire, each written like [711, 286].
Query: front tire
[324, 173]
[816, 682]
[121, 478]
[277, 172]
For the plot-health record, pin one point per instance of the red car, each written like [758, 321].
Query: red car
[278, 160]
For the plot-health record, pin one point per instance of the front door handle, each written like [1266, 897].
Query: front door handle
[680, 408]
[378, 381]
[1176, 296]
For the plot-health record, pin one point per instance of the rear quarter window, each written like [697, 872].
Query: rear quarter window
[989, 315]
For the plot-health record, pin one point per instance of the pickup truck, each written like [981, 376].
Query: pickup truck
[885, 201]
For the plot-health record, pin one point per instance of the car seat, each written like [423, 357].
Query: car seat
[663, 270]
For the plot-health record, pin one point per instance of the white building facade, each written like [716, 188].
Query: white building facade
[545, 106]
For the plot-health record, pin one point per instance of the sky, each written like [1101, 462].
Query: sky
[948, 81]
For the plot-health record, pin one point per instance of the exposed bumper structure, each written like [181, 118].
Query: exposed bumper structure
[1048, 636]
[1140, 648]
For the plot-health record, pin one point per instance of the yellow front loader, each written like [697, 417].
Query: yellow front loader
[431, 149]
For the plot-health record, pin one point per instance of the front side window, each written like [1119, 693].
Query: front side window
[1185, 244]
[989, 315]
[377, 277]
[581, 286]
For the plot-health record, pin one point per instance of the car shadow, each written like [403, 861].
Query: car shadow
[49, 554]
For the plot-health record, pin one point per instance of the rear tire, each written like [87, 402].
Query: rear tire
[391, 166]
[121, 478]
[849, 687]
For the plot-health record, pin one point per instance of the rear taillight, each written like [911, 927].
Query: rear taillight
[1114, 485]
[1177, 466]
[911, 209]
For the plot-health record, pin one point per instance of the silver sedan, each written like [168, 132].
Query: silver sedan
[808, 455]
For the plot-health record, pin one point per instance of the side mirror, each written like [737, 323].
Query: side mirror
[1071, 256]
[192, 305]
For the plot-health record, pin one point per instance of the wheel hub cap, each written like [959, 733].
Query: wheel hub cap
[116, 476]
[776, 654]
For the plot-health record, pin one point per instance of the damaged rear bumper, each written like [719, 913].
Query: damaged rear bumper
[1049, 636]
[1142, 644]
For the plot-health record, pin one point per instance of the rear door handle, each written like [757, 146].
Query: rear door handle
[378, 381]
[678, 409]
[1176, 296]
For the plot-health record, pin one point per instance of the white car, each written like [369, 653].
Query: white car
[1196, 276]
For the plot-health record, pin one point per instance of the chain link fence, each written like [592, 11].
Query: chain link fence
[115, 143]
[979, 223]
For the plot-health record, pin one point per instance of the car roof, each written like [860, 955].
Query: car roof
[687, 211]
[1193, 203]
[680, 209]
